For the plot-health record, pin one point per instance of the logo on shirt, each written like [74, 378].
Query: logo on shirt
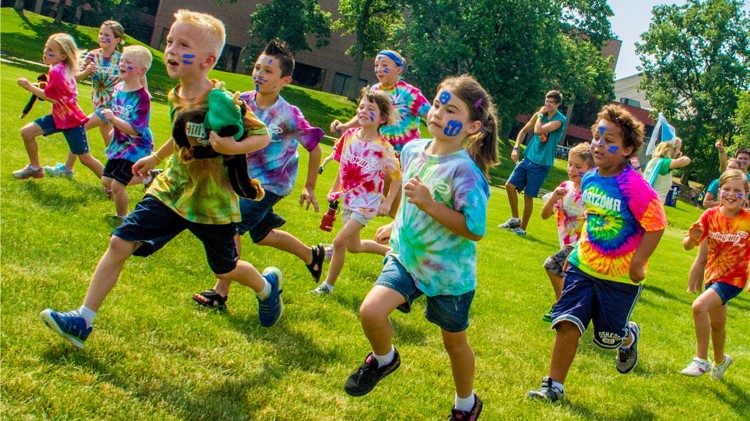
[735, 239]
[602, 201]
[197, 131]
[368, 165]
[123, 111]
[274, 129]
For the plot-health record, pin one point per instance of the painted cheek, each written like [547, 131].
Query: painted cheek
[129, 68]
[372, 116]
[723, 194]
[613, 148]
[453, 128]
[444, 97]
[740, 196]
[188, 58]
[386, 70]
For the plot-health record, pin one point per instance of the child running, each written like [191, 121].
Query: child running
[435, 234]
[566, 202]
[725, 228]
[194, 191]
[624, 222]
[275, 166]
[130, 113]
[61, 54]
[658, 172]
[366, 159]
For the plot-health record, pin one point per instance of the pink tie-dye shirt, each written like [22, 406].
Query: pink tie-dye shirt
[61, 87]
[363, 169]
[569, 210]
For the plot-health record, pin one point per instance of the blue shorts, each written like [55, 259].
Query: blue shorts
[119, 169]
[153, 225]
[76, 137]
[725, 291]
[529, 177]
[258, 217]
[607, 303]
[450, 312]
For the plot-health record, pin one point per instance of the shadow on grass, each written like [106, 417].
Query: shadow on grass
[587, 413]
[661, 292]
[75, 197]
[736, 397]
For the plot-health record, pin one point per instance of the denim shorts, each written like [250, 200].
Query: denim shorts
[529, 177]
[76, 136]
[725, 291]
[347, 214]
[153, 225]
[556, 262]
[258, 217]
[450, 312]
[119, 169]
[607, 303]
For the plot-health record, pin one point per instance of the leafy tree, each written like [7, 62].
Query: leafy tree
[372, 22]
[694, 63]
[742, 121]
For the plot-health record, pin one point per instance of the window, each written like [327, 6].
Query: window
[343, 83]
[631, 102]
[229, 58]
[307, 75]
[163, 39]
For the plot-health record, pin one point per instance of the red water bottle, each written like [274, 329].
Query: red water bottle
[326, 224]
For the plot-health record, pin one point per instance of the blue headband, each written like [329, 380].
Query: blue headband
[391, 55]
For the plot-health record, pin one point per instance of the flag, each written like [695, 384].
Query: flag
[663, 130]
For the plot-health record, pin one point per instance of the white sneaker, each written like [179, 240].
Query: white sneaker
[322, 289]
[699, 367]
[511, 224]
[717, 371]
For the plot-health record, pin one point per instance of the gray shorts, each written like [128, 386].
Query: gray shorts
[347, 213]
[555, 262]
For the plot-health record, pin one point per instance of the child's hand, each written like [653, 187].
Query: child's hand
[308, 197]
[383, 234]
[637, 272]
[514, 155]
[335, 126]
[222, 145]
[418, 194]
[543, 110]
[720, 145]
[90, 68]
[384, 208]
[108, 114]
[560, 192]
[24, 83]
[695, 232]
[144, 165]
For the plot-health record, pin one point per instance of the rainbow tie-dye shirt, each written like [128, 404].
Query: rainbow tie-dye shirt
[441, 261]
[275, 166]
[104, 78]
[362, 172]
[728, 247]
[61, 86]
[133, 107]
[568, 210]
[411, 106]
[620, 209]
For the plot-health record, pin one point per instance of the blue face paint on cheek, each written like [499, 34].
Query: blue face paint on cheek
[108, 40]
[129, 68]
[740, 196]
[444, 97]
[386, 70]
[582, 173]
[453, 128]
[372, 116]
[188, 58]
[613, 148]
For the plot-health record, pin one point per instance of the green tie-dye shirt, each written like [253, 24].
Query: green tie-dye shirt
[199, 189]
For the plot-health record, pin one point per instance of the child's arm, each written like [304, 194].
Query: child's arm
[394, 191]
[547, 127]
[710, 201]
[228, 146]
[147, 163]
[648, 244]
[119, 123]
[680, 162]
[87, 71]
[333, 193]
[308, 192]
[693, 237]
[549, 207]
[419, 195]
[521, 135]
[35, 90]
[339, 127]
[722, 155]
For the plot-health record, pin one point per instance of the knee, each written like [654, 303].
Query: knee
[27, 133]
[455, 344]
[698, 308]
[120, 247]
[339, 244]
[510, 187]
[372, 312]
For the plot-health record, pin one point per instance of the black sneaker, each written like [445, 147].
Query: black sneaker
[547, 391]
[628, 358]
[211, 299]
[362, 381]
[472, 415]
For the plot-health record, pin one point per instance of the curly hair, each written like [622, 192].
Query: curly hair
[632, 129]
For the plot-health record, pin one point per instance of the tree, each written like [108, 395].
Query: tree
[292, 21]
[694, 64]
[372, 22]
[742, 121]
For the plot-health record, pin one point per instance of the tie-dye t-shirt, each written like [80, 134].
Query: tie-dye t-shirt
[620, 209]
[411, 105]
[568, 210]
[104, 78]
[133, 107]
[728, 246]
[441, 262]
[61, 86]
[362, 171]
[275, 166]
[199, 189]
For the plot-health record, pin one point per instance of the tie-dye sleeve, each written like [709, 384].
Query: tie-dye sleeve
[421, 105]
[139, 121]
[56, 83]
[339, 146]
[643, 202]
[470, 195]
[307, 135]
[253, 125]
[392, 166]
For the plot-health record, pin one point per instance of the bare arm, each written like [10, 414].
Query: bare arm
[680, 162]
[226, 145]
[521, 135]
[339, 127]
[419, 195]
[147, 163]
[547, 127]
[710, 201]
[648, 244]
[308, 192]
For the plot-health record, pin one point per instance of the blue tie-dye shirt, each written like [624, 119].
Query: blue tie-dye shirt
[135, 108]
[441, 262]
[275, 166]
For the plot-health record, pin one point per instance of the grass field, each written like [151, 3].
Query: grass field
[156, 355]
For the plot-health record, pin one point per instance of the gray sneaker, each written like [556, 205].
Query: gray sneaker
[717, 371]
[519, 232]
[511, 224]
[547, 391]
[628, 358]
[28, 172]
[322, 289]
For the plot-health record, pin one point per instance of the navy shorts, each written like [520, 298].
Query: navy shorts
[76, 137]
[153, 225]
[529, 177]
[450, 312]
[258, 217]
[725, 291]
[607, 303]
[119, 169]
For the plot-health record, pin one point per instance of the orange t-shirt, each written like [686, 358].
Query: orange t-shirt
[728, 246]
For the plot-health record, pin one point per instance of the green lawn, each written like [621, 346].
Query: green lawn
[156, 355]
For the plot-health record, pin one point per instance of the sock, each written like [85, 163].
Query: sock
[385, 359]
[87, 314]
[464, 404]
[558, 385]
[265, 292]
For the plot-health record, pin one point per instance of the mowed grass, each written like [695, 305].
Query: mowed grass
[154, 354]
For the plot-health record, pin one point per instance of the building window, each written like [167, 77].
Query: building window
[631, 102]
[229, 58]
[163, 39]
[309, 76]
[342, 84]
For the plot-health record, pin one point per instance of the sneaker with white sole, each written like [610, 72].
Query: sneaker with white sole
[70, 325]
[717, 371]
[58, 170]
[511, 223]
[697, 367]
[627, 358]
[28, 172]
[322, 289]
[548, 391]
[519, 231]
[150, 177]
[270, 309]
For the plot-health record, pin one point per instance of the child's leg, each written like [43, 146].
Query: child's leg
[557, 283]
[106, 132]
[696, 270]
[350, 232]
[702, 306]
[373, 315]
[92, 163]
[462, 361]
[108, 271]
[284, 241]
[564, 350]
[29, 133]
[222, 285]
[528, 208]
[70, 161]
[718, 317]
[246, 274]
[510, 189]
[119, 196]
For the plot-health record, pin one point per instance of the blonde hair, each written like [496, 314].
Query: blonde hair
[583, 151]
[734, 175]
[115, 27]
[141, 54]
[68, 47]
[211, 30]
[668, 149]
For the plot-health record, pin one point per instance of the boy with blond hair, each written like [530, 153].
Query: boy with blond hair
[195, 191]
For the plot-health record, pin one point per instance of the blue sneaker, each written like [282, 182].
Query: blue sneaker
[270, 309]
[69, 325]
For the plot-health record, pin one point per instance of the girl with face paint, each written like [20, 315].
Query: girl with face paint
[724, 229]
